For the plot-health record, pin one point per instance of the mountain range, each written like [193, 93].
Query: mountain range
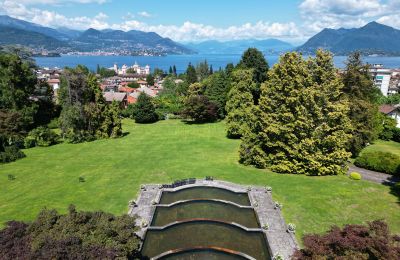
[270, 46]
[19, 32]
[373, 38]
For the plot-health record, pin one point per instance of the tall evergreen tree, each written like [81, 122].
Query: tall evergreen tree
[145, 110]
[301, 124]
[174, 70]
[170, 70]
[217, 88]
[254, 59]
[202, 70]
[240, 103]
[363, 97]
[191, 75]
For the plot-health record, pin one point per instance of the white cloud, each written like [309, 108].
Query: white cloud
[319, 14]
[145, 14]
[188, 31]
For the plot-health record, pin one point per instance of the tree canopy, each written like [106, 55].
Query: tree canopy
[301, 125]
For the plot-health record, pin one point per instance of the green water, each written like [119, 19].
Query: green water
[205, 193]
[205, 209]
[205, 234]
[203, 255]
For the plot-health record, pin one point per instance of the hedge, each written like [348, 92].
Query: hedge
[379, 161]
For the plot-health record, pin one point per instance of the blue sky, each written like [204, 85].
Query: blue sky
[192, 20]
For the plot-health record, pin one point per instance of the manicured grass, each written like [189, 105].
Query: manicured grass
[384, 146]
[170, 150]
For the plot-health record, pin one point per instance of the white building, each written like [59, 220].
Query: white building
[381, 77]
[144, 71]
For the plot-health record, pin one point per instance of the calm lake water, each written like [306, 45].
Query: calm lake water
[181, 61]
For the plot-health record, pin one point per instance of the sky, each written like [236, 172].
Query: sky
[199, 20]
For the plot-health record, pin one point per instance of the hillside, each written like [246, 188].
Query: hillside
[27, 26]
[239, 46]
[109, 40]
[19, 32]
[373, 38]
[13, 36]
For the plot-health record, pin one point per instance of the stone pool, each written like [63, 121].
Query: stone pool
[210, 220]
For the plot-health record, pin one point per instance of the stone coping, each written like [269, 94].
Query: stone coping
[278, 239]
[200, 200]
[217, 249]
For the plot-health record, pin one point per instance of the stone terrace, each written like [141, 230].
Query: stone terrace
[280, 241]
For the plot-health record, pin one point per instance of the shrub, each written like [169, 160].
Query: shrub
[54, 124]
[355, 176]
[200, 109]
[379, 161]
[352, 242]
[76, 235]
[11, 154]
[145, 110]
[396, 135]
[41, 136]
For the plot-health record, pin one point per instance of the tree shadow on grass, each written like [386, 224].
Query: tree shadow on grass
[191, 122]
[394, 186]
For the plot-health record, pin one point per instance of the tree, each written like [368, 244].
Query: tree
[363, 97]
[301, 125]
[174, 70]
[217, 88]
[85, 116]
[211, 70]
[202, 70]
[200, 109]
[239, 103]
[106, 73]
[170, 70]
[150, 80]
[372, 241]
[145, 110]
[134, 85]
[254, 59]
[191, 74]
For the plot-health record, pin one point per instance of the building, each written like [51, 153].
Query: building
[392, 111]
[116, 96]
[141, 71]
[381, 77]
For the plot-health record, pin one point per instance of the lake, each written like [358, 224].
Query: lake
[181, 61]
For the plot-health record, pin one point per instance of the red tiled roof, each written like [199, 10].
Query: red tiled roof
[131, 100]
[126, 89]
[387, 109]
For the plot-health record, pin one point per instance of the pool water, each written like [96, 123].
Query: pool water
[207, 209]
[205, 234]
[203, 217]
[205, 193]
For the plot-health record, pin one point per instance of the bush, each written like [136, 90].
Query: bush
[396, 135]
[76, 235]
[11, 154]
[352, 242]
[54, 124]
[145, 110]
[379, 161]
[200, 109]
[41, 136]
[355, 176]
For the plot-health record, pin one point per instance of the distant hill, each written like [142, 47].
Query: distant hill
[19, 32]
[239, 46]
[27, 26]
[373, 38]
[115, 39]
[13, 36]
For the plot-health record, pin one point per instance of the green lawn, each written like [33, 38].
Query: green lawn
[170, 150]
[384, 146]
